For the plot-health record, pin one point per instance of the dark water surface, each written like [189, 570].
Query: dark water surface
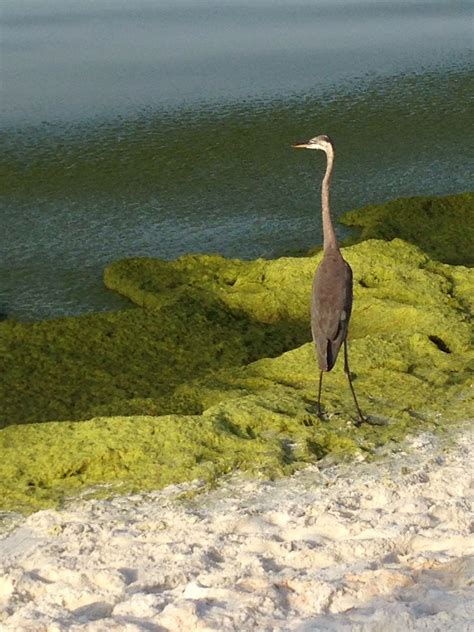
[159, 128]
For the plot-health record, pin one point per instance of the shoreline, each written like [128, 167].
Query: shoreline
[333, 547]
[215, 374]
[273, 516]
[418, 219]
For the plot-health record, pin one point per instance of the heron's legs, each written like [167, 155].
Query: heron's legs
[319, 393]
[348, 373]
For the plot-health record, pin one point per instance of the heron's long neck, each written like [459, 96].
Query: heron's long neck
[329, 235]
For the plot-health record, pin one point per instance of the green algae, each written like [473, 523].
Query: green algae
[442, 226]
[126, 362]
[186, 387]
[42, 464]
[257, 288]
[259, 419]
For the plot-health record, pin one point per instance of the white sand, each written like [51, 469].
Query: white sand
[382, 546]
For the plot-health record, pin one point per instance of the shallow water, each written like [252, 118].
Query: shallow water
[158, 129]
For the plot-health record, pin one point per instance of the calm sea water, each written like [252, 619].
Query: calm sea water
[160, 128]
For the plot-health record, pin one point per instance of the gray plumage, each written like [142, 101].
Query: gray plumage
[331, 307]
[331, 303]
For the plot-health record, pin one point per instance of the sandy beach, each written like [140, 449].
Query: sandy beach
[360, 546]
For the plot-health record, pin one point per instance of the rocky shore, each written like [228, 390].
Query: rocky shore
[212, 372]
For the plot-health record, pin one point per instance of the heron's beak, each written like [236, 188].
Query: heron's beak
[300, 146]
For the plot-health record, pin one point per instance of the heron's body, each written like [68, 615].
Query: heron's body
[331, 307]
[331, 304]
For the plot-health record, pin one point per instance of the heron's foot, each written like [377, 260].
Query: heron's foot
[321, 414]
[358, 422]
[313, 410]
[371, 420]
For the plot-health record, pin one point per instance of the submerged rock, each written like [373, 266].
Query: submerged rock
[203, 377]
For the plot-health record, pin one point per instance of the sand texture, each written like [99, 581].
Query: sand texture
[384, 545]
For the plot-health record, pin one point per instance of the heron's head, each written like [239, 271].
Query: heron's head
[323, 142]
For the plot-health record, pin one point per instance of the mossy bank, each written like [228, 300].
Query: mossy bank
[213, 371]
[443, 227]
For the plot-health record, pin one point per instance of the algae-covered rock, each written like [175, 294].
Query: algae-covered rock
[126, 362]
[266, 290]
[42, 464]
[199, 360]
[442, 226]
[397, 288]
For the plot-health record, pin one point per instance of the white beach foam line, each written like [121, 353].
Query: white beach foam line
[380, 546]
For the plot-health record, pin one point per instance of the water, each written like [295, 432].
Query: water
[159, 128]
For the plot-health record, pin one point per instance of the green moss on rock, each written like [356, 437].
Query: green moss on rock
[42, 464]
[268, 291]
[259, 418]
[126, 362]
[442, 226]
[198, 360]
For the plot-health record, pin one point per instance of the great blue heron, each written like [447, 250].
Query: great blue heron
[331, 303]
